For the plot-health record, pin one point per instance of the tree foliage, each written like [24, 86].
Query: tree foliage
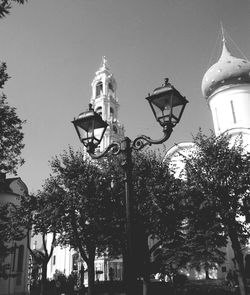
[159, 206]
[10, 230]
[205, 237]
[157, 212]
[85, 218]
[218, 189]
[90, 207]
[11, 135]
[6, 5]
[39, 215]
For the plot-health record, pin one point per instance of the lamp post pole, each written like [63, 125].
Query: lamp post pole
[167, 105]
[128, 166]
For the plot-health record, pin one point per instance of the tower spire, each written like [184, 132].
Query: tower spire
[104, 62]
[105, 102]
[104, 65]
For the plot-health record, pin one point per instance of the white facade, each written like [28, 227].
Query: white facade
[61, 260]
[230, 108]
[105, 103]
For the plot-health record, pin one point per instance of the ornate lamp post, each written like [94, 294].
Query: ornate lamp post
[167, 105]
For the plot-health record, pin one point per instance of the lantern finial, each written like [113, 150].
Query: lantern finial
[166, 82]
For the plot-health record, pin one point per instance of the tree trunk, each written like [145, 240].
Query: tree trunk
[91, 271]
[44, 278]
[239, 260]
[207, 274]
[146, 270]
[124, 274]
[145, 261]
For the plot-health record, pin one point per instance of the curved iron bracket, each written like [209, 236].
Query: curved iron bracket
[143, 140]
[114, 148]
[126, 145]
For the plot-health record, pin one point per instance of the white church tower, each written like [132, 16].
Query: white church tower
[105, 103]
[226, 86]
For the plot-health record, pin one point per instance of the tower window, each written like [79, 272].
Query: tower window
[217, 120]
[111, 113]
[98, 89]
[111, 86]
[233, 111]
[54, 260]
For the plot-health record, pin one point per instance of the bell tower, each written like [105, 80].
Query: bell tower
[105, 103]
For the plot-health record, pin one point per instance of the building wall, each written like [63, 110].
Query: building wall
[230, 108]
[16, 283]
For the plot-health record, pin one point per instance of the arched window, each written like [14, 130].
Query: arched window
[111, 113]
[99, 111]
[54, 260]
[115, 129]
[75, 258]
[111, 86]
[20, 259]
[98, 89]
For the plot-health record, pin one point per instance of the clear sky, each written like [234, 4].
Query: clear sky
[54, 47]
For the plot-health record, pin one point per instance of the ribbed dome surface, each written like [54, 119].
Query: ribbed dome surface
[228, 70]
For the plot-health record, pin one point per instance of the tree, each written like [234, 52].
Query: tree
[205, 238]
[11, 135]
[156, 210]
[218, 170]
[93, 197]
[85, 221]
[6, 5]
[165, 214]
[40, 215]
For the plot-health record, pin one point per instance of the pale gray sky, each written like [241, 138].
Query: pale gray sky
[53, 48]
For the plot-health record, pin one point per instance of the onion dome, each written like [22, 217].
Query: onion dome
[228, 71]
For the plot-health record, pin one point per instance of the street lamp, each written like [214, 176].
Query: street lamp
[90, 128]
[167, 105]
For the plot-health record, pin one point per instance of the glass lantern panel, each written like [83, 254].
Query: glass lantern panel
[98, 134]
[162, 102]
[85, 136]
[176, 113]
[162, 109]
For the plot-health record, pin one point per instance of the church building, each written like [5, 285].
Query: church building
[226, 88]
